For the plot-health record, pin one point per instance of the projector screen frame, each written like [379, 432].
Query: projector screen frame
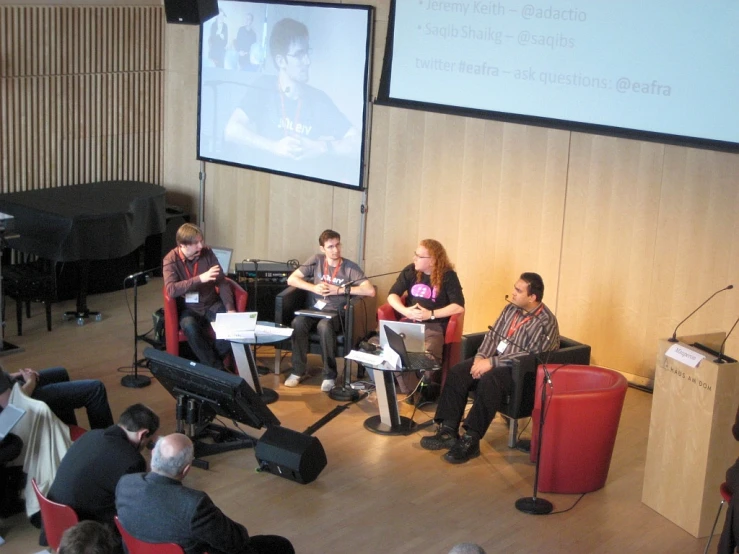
[359, 165]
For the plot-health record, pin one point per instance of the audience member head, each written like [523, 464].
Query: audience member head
[140, 424]
[188, 234]
[327, 235]
[88, 537]
[288, 36]
[535, 283]
[467, 548]
[173, 454]
[431, 258]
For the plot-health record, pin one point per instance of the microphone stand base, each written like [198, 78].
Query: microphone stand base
[136, 381]
[534, 506]
[343, 394]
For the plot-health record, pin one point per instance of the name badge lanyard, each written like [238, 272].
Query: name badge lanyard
[326, 270]
[515, 326]
[189, 274]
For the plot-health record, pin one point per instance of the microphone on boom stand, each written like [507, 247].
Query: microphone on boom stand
[720, 358]
[344, 392]
[136, 381]
[674, 333]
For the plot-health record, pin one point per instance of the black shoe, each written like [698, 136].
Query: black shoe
[466, 448]
[444, 439]
[35, 520]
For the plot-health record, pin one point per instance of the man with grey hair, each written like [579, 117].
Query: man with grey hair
[156, 507]
[467, 548]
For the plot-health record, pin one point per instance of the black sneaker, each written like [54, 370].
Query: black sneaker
[444, 439]
[466, 448]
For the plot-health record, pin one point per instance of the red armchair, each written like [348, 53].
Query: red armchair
[452, 339]
[172, 320]
[582, 416]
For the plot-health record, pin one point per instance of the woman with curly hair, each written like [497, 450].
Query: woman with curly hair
[433, 293]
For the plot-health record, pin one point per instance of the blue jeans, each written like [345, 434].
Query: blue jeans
[64, 396]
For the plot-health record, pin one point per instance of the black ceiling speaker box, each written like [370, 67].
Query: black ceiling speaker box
[190, 12]
[289, 454]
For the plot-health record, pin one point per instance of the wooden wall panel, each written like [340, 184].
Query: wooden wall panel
[80, 95]
[608, 250]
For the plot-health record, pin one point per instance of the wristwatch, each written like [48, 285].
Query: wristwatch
[433, 317]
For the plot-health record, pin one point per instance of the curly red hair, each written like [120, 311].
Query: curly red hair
[441, 262]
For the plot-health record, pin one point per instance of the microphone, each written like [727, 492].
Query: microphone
[355, 281]
[720, 358]
[674, 333]
[140, 273]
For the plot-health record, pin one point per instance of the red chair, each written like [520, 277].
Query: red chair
[725, 497]
[452, 339]
[583, 409]
[56, 517]
[75, 432]
[172, 320]
[136, 546]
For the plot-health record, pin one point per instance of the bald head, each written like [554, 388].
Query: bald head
[172, 456]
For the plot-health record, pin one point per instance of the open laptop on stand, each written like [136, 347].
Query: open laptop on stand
[414, 361]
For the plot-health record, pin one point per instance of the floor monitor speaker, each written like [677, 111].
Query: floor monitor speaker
[289, 454]
[190, 12]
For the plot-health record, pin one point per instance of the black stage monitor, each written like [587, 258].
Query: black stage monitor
[222, 393]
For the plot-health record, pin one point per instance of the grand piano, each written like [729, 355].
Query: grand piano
[81, 223]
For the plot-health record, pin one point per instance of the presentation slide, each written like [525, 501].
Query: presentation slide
[284, 89]
[667, 67]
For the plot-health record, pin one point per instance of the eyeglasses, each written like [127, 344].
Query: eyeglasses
[302, 54]
[333, 246]
[416, 255]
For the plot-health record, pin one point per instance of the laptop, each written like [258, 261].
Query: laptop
[414, 334]
[415, 361]
[239, 325]
[224, 257]
[8, 418]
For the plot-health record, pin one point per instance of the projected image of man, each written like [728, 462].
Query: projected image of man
[297, 126]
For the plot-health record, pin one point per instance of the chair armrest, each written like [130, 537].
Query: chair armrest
[286, 302]
[171, 323]
[386, 313]
[241, 297]
[470, 344]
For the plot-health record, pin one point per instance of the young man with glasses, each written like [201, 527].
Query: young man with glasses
[288, 122]
[323, 276]
[433, 294]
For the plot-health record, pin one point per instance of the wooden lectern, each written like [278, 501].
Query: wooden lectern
[690, 442]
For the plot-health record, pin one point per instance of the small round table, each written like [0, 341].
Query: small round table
[246, 363]
[389, 422]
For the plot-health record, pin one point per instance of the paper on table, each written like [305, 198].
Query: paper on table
[269, 330]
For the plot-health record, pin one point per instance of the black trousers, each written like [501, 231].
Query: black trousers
[490, 390]
[327, 330]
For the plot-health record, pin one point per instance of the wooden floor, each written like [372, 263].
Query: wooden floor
[378, 493]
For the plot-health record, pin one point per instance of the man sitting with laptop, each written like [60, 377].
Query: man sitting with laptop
[323, 276]
[526, 325]
[191, 275]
